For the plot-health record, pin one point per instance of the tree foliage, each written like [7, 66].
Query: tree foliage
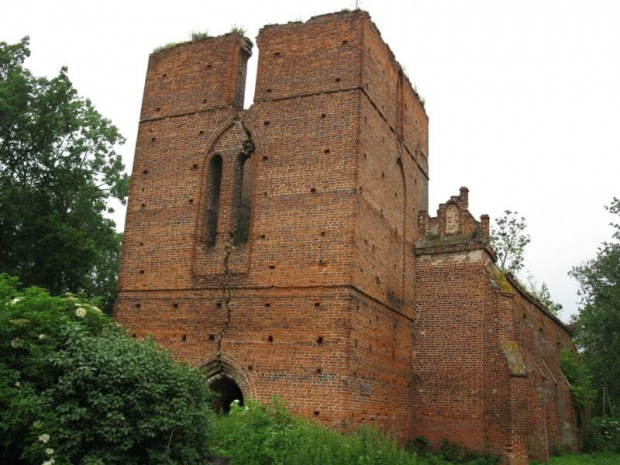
[579, 378]
[74, 388]
[597, 327]
[543, 295]
[603, 435]
[58, 172]
[509, 239]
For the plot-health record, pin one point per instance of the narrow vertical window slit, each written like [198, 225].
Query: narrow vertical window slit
[244, 182]
[214, 185]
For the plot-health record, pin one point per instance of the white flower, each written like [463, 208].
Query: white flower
[15, 300]
[80, 312]
[49, 462]
[16, 343]
[42, 336]
[49, 451]
[17, 384]
[70, 297]
[44, 438]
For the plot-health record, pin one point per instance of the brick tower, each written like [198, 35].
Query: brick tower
[276, 247]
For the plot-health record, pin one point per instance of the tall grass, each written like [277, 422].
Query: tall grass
[583, 459]
[268, 434]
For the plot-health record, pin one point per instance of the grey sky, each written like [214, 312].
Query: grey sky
[523, 96]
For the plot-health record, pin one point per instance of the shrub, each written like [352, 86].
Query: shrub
[603, 435]
[582, 459]
[474, 457]
[74, 388]
[238, 30]
[268, 434]
[449, 452]
[420, 445]
[196, 35]
[579, 377]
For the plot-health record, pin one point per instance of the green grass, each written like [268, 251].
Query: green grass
[584, 459]
[268, 434]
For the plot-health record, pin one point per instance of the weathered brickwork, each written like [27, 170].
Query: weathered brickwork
[286, 249]
[486, 355]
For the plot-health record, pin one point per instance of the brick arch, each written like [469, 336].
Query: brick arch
[232, 140]
[249, 128]
[237, 133]
[227, 366]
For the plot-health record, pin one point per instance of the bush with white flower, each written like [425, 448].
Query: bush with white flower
[603, 435]
[74, 388]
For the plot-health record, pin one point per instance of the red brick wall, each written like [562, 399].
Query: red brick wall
[196, 76]
[316, 307]
[486, 355]
[271, 336]
[551, 418]
[339, 301]
[449, 351]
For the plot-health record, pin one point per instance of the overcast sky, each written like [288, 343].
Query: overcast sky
[523, 96]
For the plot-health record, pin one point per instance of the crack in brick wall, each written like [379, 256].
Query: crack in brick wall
[408, 331]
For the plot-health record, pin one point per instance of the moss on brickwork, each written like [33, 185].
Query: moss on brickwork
[512, 354]
[304, 270]
[500, 282]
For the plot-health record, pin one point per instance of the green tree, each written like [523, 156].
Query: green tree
[509, 239]
[579, 378]
[58, 172]
[76, 389]
[597, 326]
[543, 295]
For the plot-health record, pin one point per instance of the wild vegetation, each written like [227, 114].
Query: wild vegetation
[268, 434]
[583, 459]
[75, 388]
[509, 240]
[58, 173]
[597, 326]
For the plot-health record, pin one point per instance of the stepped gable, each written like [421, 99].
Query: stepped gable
[286, 248]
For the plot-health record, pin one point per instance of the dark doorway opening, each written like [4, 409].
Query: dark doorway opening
[226, 391]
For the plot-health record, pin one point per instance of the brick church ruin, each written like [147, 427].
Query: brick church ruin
[287, 250]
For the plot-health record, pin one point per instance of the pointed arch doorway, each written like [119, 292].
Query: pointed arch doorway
[226, 392]
[227, 384]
